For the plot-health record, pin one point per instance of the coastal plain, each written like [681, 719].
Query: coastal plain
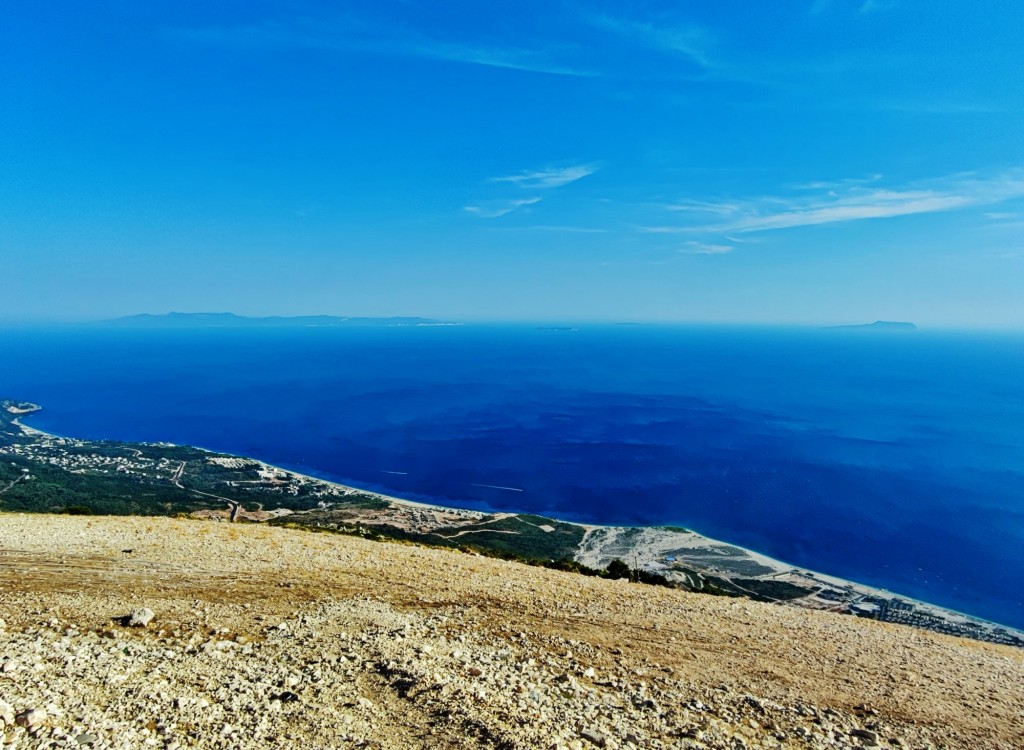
[259, 636]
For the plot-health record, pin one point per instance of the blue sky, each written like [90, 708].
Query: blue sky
[810, 161]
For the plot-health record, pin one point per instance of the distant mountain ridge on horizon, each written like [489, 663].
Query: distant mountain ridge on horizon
[878, 325]
[231, 320]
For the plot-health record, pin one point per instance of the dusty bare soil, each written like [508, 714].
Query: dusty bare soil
[267, 637]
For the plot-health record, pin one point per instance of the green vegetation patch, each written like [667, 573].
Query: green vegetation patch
[515, 537]
[40, 488]
[773, 590]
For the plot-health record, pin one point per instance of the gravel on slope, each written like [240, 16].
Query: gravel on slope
[265, 637]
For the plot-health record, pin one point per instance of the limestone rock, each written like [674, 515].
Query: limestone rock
[140, 618]
[6, 714]
[32, 719]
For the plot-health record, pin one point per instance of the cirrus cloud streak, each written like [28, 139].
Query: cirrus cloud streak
[855, 203]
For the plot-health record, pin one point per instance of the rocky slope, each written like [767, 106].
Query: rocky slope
[266, 637]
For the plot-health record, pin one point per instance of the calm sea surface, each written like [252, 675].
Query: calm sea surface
[896, 460]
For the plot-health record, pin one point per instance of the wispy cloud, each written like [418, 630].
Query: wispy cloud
[348, 32]
[548, 178]
[838, 184]
[704, 207]
[692, 247]
[1005, 221]
[686, 40]
[526, 60]
[534, 180]
[556, 228]
[665, 229]
[875, 204]
[494, 209]
[854, 202]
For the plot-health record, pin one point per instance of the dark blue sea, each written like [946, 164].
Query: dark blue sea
[896, 460]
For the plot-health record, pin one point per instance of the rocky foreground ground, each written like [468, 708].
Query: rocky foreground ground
[264, 637]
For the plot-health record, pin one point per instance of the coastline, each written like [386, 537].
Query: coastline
[415, 504]
[34, 431]
[699, 539]
[659, 538]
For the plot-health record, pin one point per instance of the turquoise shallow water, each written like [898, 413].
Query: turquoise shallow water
[894, 460]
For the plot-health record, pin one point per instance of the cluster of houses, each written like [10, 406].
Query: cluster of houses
[55, 452]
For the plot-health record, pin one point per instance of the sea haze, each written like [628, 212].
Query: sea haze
[896, 460]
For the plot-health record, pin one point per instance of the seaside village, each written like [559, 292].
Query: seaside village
[67, 454]
[270, 476]
[917, 614]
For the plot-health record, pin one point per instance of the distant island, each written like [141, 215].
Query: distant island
[231, 320]
[878, 325]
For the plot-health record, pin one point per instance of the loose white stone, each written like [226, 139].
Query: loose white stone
[32, 718]
[140, 618]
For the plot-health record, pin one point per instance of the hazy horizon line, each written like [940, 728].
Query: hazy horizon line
[72, 321]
